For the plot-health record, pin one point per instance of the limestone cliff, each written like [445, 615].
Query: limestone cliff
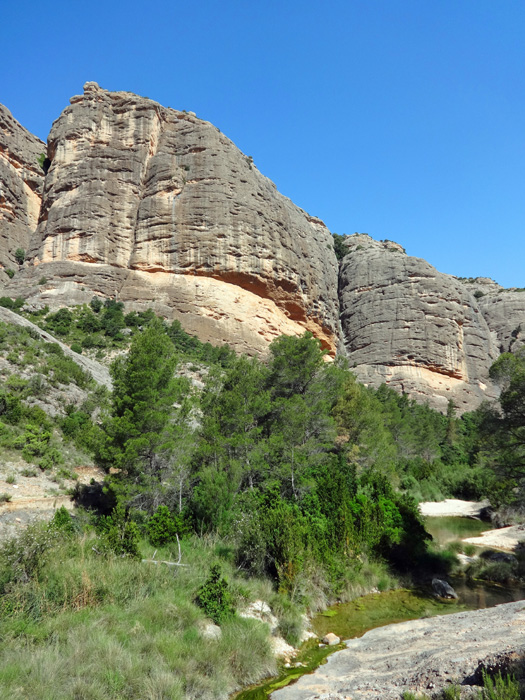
[158, 208]
[21, 179]
[503, 309]
[418, 330]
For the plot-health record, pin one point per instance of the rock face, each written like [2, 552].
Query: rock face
[417, 656]
[418, 330]
[21, 180]
[158, 208]
[503, 309]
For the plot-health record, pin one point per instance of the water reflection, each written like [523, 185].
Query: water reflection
[479, 594]
[445, 530]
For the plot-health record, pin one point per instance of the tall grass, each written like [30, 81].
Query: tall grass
[85, 626]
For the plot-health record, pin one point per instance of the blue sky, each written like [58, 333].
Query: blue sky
[404, 119]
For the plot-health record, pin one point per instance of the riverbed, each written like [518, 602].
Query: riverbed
[354, 619]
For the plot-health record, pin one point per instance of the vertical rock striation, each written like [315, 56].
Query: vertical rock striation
[159, 208]
[503, 309]
[21, 180]
[418, 330]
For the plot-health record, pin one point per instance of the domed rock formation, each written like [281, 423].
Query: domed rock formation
[503, 309]
[158, 208]
[418, 330]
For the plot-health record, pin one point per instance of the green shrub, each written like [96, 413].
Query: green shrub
[88, 322]
[33, 442]
[42, 280]
[499, 688]
[76, 348]
[13, 304]
[5, 497]
[37, 385]
[24, 556]
[96, 304]
[54, 349]
[60, 322]
[11, 408]
[215, 598]
[291, 625]
[20, 256]
[161, 527]
[62, 521]
[120, 535]
[10, 273]
[16, 384]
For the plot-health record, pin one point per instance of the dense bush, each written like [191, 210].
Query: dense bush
[62, 521]
[162, 527]
[215, 598]
[119, 534]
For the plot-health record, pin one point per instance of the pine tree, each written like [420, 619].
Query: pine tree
[144, 391]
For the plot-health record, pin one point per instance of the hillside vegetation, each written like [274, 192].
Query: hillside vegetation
[298, 483]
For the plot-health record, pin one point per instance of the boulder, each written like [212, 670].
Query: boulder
[260, 610]
[503, 557]
[211, 631]
[331, 639]
[282, 649]
[442, 589]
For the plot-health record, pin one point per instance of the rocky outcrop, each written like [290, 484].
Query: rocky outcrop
[418, 330]
[419, 656]
[158, 208]
[99, 372]
[21, 180]
[443, 589]
[503, 310]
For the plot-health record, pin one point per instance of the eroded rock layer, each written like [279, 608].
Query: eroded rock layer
[503, 309]
[418, 656]
[158, 207]
[21, 179]
[418, 330]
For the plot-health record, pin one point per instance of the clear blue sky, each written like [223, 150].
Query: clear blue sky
[404, 119]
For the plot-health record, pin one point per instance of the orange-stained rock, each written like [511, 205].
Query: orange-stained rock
[156, 206]
[417, 329]
[21, 180]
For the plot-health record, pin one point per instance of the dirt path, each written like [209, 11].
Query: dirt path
[35, 497]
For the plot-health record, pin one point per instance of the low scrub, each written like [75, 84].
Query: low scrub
[78, 621]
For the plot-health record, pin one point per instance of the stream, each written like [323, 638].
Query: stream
[353, 619]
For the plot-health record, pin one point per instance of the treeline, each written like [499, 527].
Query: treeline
[293, 462]
[290, 460]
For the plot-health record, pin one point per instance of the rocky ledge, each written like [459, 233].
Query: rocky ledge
[421, 655]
